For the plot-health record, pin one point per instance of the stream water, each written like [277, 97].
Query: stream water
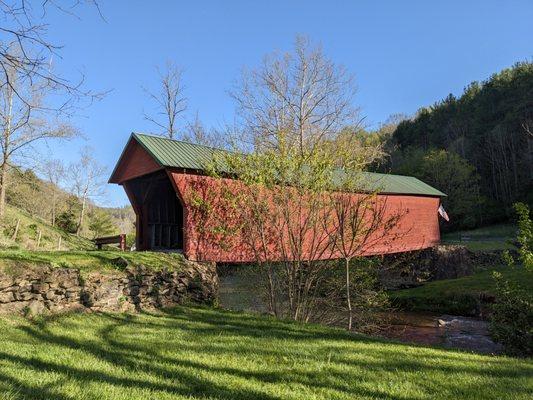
[237, 293]
[445, 330]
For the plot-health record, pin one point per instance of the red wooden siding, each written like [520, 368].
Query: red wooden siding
[417, 227]
[134, 162]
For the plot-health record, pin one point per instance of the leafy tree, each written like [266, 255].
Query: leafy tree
[68, 219]
[100, 223]
[451, 174]
[489, 126]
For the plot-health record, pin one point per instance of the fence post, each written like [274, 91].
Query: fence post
[16, 229]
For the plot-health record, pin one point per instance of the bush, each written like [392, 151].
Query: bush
[512, 319]
[67, 221]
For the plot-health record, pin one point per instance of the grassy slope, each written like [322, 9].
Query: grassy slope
[457, 296]
[494, 237]
[89, 260]
[28, 232]
[198, 353]
[462, 296]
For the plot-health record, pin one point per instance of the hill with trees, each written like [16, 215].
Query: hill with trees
[477, 148]
[41, 215]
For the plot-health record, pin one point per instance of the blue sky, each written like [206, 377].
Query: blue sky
[404, 54]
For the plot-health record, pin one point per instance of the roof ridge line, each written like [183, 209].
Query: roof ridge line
[155, 136]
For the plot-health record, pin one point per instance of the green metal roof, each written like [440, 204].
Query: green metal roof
[177, 154]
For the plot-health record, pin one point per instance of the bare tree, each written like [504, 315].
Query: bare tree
[169, 100]
[197, 132]
[296, 100]
[24, 120]
[25, 24]
[87, 179]
[292, 109]
[54, 172]
[358, 222]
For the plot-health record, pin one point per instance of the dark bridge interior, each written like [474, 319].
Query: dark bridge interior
[159, 212]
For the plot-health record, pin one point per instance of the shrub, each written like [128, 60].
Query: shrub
[512, 319]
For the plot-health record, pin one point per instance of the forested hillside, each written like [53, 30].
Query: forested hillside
[45, 211]
[477, 148]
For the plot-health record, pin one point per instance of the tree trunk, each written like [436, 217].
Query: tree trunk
[6, 139]
[348, 298]
[3, 183]
[82, 213]
[54, 208]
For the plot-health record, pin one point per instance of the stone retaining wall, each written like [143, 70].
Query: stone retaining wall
[42, 288]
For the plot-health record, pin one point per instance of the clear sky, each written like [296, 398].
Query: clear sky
[404, 54]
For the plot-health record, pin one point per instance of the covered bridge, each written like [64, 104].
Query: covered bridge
[160, 177]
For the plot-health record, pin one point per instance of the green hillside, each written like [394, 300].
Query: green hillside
[27, 236]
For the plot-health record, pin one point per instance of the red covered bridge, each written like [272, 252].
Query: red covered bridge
[161, 176]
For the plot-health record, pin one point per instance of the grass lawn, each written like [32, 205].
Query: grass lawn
[203, 353]
[494, 237]
[89, 260]
[457, 296]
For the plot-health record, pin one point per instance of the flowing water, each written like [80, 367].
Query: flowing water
[444, 330]
[238, 291]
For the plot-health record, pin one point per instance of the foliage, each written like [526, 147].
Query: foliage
[525, 235]
[68, 219]
[454, 176]
[368, 300]
[487, 126]
[130, 240]
[512, 319]
[100, 223]
[202, 353]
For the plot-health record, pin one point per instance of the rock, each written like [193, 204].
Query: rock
[120, 262]
[6, 297]
[36, 308]
[40, 287]
[24, 296]
[5, 282]
[56, 289]
[50, 295]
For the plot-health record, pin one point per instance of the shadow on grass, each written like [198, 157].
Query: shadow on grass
[137, 345]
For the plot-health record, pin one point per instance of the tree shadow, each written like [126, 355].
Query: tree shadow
[163, 367]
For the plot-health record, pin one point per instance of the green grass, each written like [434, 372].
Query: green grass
[494, 237]
[29, 228]
[201, 353]
[89, 260]
[461, 296]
